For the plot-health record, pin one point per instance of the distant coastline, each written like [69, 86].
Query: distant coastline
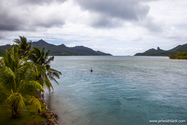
[160, 52]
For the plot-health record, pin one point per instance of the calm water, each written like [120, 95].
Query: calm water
[119, 91]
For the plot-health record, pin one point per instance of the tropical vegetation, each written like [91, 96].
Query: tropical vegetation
[23, 74]
[41, 58]
[179, 55]
[24, 46]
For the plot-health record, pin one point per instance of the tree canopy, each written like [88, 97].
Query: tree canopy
[21, 77]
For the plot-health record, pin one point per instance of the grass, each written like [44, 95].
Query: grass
[25, 118]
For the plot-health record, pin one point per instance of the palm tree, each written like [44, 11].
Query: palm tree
[42, 58]
[24, 46]
[17, 81]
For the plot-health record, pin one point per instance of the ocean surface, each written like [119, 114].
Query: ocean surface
[119, 91]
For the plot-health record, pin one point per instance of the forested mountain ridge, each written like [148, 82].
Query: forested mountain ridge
[61, 50]
[160, 52]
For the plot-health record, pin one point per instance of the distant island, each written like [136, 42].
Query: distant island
[160, 52]
[62, 50]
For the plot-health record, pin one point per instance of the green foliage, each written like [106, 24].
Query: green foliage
[17, 100]
[24, 46]
[16, 81]
[34, 101]
[42, 58]
[179, 55]
[21, 78]
[26, 117]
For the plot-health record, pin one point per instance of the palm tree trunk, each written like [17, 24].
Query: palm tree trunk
[41, 95]
[15, 111]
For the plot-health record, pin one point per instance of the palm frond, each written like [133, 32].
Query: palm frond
[52, 78]
[47, 66]
[39, 60]
[46, 56]
[3, 94]
[9, 72]
[30, 86]
[47, 53]
[47, 82]
[54, 70]
[17, 99]
[17, 41]
[36, 52]
[49, 60]
[32, 57]
[34, 101]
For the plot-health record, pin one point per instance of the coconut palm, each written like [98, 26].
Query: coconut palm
[42, 58]
[24, 46]
[17, 81]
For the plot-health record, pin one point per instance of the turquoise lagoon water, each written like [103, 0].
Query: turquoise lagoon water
[119, 91]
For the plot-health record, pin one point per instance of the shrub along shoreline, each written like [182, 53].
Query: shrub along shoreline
[24, 72]
[179, 55]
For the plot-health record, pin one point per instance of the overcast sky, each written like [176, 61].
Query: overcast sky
[119, 27]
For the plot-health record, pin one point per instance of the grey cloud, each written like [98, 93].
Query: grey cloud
[105, 22]
[8, 26]
[1, 37]
[123, 9]
[114, 11]
[11, 23]
[177, 38]
[16, 17]
[8, 21]
[174, 38]
[150, 24]
[39, 2]
[153, 27]
[48, 23]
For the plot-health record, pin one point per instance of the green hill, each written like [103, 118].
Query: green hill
[160, 52]
[4, 48]
[61, 50]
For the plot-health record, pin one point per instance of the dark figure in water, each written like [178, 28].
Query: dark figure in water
[91, 70]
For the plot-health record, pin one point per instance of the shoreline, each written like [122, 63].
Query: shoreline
[50, 118]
